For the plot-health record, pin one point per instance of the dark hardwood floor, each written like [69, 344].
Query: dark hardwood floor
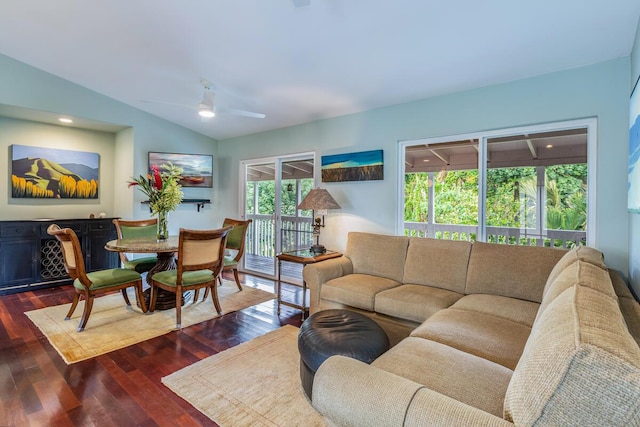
[122, 388]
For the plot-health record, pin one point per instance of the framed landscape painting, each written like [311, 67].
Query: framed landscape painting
[51, 173]
[633, 186]
[362, 166]
[197, 169]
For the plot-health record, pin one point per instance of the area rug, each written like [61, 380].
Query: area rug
[256, 383]
[112, 325]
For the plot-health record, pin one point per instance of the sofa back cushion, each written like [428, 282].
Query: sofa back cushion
[377, 254]
[437, 263]
[510, 270]
[579, 253]
[580, 365]
[579, 273]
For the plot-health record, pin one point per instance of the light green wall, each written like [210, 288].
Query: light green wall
[123, 156]
[634, 219]
[599, 91]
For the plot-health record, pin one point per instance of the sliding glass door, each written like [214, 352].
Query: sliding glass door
[273, 188]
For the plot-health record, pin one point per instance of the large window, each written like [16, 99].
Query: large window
[521, 186]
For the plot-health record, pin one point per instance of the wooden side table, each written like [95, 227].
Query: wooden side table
[304, 257]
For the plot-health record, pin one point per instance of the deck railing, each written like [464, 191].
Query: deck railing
[504, 235]
[296, 232]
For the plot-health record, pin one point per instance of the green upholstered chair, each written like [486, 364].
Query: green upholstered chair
[134, 230]
[95, 283]
[235, 247]
[235, 242]
[200, 261]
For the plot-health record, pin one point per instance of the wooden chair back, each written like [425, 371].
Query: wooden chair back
[200, 250]
[71, 253]
[237, 236]
[135, 229]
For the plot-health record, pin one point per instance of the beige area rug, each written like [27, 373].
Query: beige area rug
[256, 383]
[112, 325]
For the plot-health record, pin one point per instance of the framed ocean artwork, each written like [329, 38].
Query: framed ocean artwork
[197, 169]
[51, 173]
[633, 186]
[361, 166]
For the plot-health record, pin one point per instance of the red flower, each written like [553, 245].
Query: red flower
[157, 177]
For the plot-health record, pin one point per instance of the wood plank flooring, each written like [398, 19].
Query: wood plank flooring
[122, 388]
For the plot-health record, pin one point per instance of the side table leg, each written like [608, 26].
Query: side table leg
[304, 299]
[279, 287]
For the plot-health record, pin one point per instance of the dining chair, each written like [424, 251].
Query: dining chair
[129, 229]
[200, 261]
[94, 283]
[235, 242]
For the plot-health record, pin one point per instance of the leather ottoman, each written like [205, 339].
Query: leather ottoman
[337, 332]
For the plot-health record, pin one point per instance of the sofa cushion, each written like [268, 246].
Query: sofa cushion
[459, 375]
[579, 253]
[377, 254]
[356, 290]
[516, 310]
[490, 337]
[525, 277]
[580, 366]
[439, 263]
[620, 287]
[348, 392]
[414, 302]
[631, 313]
[578, 273]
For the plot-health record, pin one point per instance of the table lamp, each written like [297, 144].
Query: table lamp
[319, 201]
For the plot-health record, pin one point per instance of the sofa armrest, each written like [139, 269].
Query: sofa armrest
[351, 393]
[315, 275]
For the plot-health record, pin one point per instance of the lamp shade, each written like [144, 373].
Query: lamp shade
[318, 199]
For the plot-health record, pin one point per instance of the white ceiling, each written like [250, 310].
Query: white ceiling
[303, 63]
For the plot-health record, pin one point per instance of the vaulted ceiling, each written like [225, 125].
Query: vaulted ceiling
[298, 61]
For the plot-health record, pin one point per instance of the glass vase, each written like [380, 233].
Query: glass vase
[163, 226]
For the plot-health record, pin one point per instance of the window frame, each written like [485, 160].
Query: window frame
[483, 136]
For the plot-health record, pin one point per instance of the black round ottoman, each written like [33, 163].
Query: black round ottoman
[337, 332]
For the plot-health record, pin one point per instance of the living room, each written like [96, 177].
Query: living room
[599, 90]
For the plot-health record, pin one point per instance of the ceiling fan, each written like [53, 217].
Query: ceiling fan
[207, 107]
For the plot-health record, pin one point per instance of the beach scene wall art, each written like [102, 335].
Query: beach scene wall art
[50, 173]
[633, 186]
[197, 169]
[361, 166]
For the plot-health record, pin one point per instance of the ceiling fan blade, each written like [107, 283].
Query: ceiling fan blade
[243, 113]
[175, 104]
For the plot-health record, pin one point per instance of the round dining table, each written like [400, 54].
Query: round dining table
[164, 250]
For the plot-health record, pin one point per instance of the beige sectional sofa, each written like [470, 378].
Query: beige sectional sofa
[482, 334]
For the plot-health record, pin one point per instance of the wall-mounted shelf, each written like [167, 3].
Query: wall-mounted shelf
[198, 202]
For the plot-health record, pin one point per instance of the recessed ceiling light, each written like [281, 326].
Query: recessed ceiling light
[65, 120]
[426, 160]
[204, 112]
[549, 145]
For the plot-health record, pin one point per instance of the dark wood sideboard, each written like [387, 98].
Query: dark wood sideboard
[30, 258]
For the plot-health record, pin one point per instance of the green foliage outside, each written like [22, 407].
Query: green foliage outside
[511, 197]
[266, 197]
[266, 205]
